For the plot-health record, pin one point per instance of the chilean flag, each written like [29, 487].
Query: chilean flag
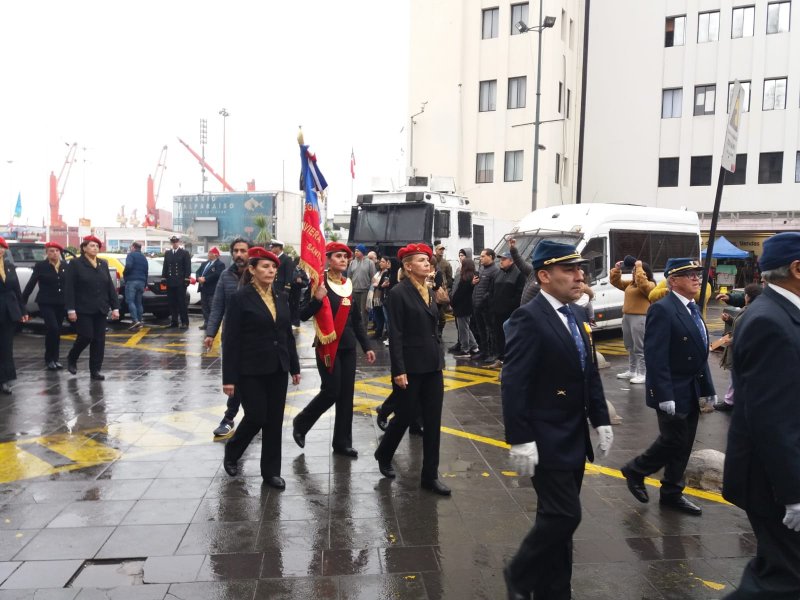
[352, 164]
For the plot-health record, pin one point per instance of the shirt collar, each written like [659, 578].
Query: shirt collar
[791, 297]
[684, 300]
[555, 303]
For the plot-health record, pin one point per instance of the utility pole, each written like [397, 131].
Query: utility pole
[203, 140]
[225, 114]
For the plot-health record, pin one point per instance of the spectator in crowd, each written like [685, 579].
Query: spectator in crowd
[49, 275]
[135, 276]
[445, 271]
[751, 292]
[360, 273]
[634, 313]
[462, 254]
[461, 302]
[207, 277]
[12, 311]
[376, 299]
[481, 306]
[506, 294]
[531, 284]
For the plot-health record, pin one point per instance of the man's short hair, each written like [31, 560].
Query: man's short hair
[241, 240]
[136, 246]
[489, 252]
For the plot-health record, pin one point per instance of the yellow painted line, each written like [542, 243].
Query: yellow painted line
[475, 438]
[373, 389]
[80, 449]
[17, 464]
[137, 337]
[490, 373]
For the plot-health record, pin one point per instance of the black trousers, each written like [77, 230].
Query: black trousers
[205, 305]
[232, 405]
[176, 296]
[775, 570]
[335, 389]
[389, 407]
[7, 369]
[53, 315]
[498, 335]
[671, 451]
[426, 390]
[294, 305]
[263, 398]
[543, 563]
[484, 325]
[91, 330]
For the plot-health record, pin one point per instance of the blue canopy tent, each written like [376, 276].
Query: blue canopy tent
[724, 249]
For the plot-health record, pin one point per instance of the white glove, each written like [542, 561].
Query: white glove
[668, 407]
[606, 436]
[524, 458]
[792, 518]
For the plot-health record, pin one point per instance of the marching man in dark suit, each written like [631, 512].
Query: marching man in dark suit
[207, 277]
[12, 311]
[550, 385]
[177, 272]
[332, 305]
[676, 358]
[762, 464]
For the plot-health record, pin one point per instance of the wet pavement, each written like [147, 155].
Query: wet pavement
[115, 489]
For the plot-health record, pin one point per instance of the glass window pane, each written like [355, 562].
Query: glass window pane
[710, 97]
[773, 14]
[680, 31]
[780, 94]
[749, 19]
[769, 94]
[783, 19]
[702, 28]
[713, 27]
[797, 168]
[737, 27]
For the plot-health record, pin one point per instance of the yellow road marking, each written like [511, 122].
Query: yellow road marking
[137, 337]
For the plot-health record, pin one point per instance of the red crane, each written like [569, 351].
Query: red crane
[225, 185]
[154, 189]
[57, 186]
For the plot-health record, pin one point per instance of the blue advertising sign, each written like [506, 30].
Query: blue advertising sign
[233, 214]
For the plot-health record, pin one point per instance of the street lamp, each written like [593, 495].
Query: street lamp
[225, 114]
[523, 28]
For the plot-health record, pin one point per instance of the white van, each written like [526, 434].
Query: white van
[605, 234]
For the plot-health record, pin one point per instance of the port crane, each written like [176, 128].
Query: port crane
[57, 186]
[225, 185]
[154, 189]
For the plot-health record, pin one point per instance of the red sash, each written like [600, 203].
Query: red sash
[327, 352]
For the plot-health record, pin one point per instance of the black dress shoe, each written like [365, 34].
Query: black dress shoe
[383, 422]
[5, 388]
[435, 486]
[231, 467]
[72, 366]
[514, 591]
[51, 366]
[299, 438]
[351, 452]
[385, 467]
[97, 377]
[723, 406]
[275, 482]
[681, 504]
[58, 364]
[636, 485]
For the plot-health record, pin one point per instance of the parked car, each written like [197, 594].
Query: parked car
[114, 260]
[193, 289]
[154, 299]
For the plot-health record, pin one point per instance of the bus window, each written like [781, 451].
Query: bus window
[441, 224]
[477, 240]
[595, 253]
[464, 224]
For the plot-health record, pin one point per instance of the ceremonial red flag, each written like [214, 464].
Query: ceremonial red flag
[352, 164]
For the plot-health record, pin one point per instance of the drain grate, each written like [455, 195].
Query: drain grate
[109, 573]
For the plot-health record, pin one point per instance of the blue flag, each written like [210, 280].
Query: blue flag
[18, 207]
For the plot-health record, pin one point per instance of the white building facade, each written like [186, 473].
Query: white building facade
[474, 74]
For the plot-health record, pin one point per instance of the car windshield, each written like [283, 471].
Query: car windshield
[27, 253]
[527, 241]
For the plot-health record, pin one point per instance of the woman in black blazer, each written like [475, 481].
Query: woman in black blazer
[89, 294]
[258, 351]
[50, 275]
[417, 359]
[12, 311]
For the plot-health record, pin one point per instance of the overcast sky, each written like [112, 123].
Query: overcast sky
[123, 80]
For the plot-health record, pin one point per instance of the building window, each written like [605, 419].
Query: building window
[484, 169]
[488, 96]
[491, 20]
[797, 168]
[569, 100]
[513, 171]
[519, 12]
[668, 172]
[778, 17]
[743, 19]
[560, 96]
[675, 34]
[564, 171]
[774, 94]
[738, 176]
[563, 25]
[700, 173]
[708, 27]
[745, 96]
[558, 168]
[704, 98]
[516, 91]
[671, 101]
[770, 167]
[571, 34]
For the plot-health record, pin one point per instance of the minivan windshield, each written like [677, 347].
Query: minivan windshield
[527, 241]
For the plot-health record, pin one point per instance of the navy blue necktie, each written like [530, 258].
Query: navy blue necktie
[576, 334]
[698, 320]
[208, 266]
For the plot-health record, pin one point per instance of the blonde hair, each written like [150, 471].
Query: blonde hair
[401, 274]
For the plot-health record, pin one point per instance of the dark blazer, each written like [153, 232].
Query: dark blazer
[88, 290]
[177, 267]
[283, 278]
[212, 277]
[51, 283]
[762, 463]
[415, 345]
[546, 394]
[676, 357]
[354, 328]
[507, 291]
[461, 298]
[11, 305]
[254, 343]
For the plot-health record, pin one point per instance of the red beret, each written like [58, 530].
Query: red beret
[58, 247]
[91, 238]
[415, 249]
[3, 243]
[214, 250]
[332, 247]
[259, 252]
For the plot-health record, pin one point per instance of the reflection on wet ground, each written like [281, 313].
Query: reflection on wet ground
[115, 489]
